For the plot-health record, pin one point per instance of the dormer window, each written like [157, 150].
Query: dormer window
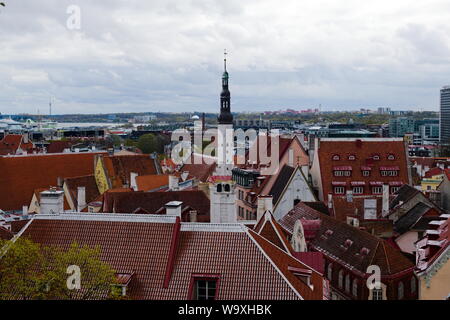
[351, 157]
[391, 157]
[204, 287]
[348, 243]
[336, 157]
[376, 157]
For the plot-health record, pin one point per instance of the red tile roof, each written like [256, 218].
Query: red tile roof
[201, 172]
[21, 175]
[152, 181]
[247, 265]
[12, 142]
[119, 168]
[5, 234]
[270, 229]
[433, 172]
[59, 146]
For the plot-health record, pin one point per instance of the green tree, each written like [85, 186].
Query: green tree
[30, 271]
[148, 143]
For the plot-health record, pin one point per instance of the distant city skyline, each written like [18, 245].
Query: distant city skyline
[166, 56]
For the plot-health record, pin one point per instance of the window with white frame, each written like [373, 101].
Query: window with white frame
[377, 190]
[336, 157]
[393, 173]
[384, 173]
[358, 190]
[391, 157]
[205, 289]
[377, 294]
[338, 173]
[376, 157]
[394, 189]
[339, 190]
[366, 173]
[347, 173]
[351, 157]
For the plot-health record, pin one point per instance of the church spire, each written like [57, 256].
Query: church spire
[225, 116]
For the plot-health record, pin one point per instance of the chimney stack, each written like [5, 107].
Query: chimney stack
[173, 183]
[52, 202]
[193, 215]
[330, 201]
[25, 210]
[173, 208]
[81, 198]
[133, 183]
[385, 204]
[59, 182]
[264, 203]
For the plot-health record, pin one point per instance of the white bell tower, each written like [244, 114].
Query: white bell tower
[222, 186]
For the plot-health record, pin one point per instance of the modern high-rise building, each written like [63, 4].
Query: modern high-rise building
[445, 115]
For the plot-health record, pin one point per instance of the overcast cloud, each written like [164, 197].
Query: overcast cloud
[166, 55]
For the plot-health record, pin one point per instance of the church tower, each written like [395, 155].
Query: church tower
[222, 187]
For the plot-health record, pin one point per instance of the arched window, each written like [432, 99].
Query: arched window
[341, 279]
[351, 157]
[413, 285]
[355, 288]
[401, 290]
[347, 283]
[219, 188]
[376, 157]
[391, 157]
[336, 157]
[227, 188]
[330, 272]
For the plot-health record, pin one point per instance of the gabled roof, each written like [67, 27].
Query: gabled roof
[270, 229]
[281, 182]
[348, 245]
[154, 202]
[164, 256]
[12, 142]
[88, 182]
[21, 175]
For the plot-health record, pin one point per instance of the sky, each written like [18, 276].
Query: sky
[167, 55]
